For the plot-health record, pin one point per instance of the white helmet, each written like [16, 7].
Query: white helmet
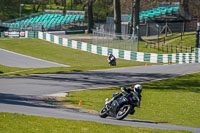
[138, 88]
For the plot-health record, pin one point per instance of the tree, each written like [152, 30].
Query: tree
[9, 9]
[71, 5]
[135, 21]
[185, 5]
[117, 16]
[90, 15]
[64, 4]
[34, 3]
[43, 5]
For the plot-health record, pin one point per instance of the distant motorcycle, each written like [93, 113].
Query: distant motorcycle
[112, 62]
[120, 107]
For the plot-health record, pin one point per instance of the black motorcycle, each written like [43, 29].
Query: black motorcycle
[121, 107]
[112, 62]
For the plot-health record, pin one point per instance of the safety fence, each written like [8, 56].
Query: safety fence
[16, 34]
[113, 40]
[170, 48]
[124, 54]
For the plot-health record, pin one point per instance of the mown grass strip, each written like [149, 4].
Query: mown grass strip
[16, 123]
[78, 60]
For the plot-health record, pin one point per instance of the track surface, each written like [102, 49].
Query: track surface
[24, 94]
[13, 59]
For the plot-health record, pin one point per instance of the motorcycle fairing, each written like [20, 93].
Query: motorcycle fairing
[116, 104]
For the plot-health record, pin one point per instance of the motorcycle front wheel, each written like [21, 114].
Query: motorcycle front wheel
[103, 112]
[123, 112]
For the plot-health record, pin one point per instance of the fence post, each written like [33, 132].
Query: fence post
[171, 49]
[167, 48]
[181, 49]
[147, 30]
[164, 40]
[176, 49]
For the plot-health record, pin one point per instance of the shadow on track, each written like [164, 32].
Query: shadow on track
[23, 100]
[96, 78]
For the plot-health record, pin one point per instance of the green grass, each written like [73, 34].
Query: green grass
[78, 60]
[187, 40]
[143, 48]
[174, 100]
[175, 38]
[17, 123]
[5, 69]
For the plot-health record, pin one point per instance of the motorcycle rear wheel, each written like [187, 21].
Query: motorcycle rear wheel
[103, 112]
[123, 112]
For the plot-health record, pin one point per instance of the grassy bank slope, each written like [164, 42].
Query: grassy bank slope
[174, 100]
[15, 123]
[78, 60]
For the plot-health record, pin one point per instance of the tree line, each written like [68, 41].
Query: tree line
[93, 8]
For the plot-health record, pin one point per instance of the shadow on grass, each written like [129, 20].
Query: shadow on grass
[143, 121]
[191, 84]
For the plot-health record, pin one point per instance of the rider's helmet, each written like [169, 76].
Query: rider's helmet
[138, 88]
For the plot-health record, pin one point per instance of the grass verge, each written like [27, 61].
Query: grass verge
[11, 123]
[174, 100]
[188, 39]
[5, 69]
[78, 60]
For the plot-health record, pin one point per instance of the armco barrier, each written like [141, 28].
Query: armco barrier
[179, 58]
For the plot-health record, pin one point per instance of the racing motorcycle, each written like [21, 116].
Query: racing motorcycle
[120, 107]
[112, 62]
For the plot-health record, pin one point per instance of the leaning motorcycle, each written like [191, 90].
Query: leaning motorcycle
[120, 107]
[112, 62]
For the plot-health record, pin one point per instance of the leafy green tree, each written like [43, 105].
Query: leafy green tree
[90, 15]
[185, 5]
[64, 4]
[117, 16]
[34, 6]
[9, 9]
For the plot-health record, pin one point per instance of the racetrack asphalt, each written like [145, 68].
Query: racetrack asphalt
[13, 59]
[24, 94]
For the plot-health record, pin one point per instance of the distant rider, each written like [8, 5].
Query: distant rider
[111, 60]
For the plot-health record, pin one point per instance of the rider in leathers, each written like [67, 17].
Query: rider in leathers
[125, 91]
